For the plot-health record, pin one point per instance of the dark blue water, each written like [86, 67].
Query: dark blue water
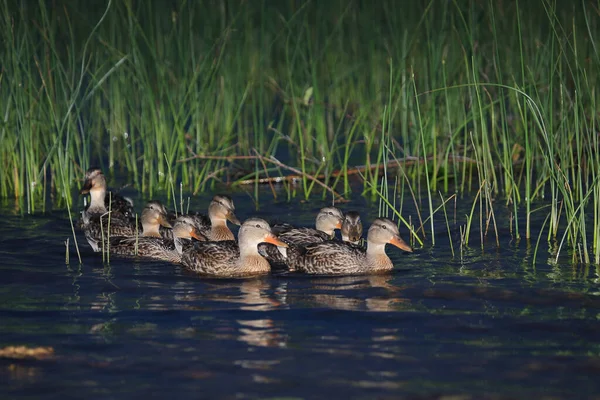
[481, 325]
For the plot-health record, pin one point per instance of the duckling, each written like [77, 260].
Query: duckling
[328, 219]
[342, 258]
[214, 226]
[95, 226]
[101, 200]
[352, 227]
[157, 247]
[230, 259]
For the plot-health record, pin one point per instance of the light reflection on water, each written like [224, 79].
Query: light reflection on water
[482, 323]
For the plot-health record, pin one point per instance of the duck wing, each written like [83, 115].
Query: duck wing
[98, 226]
[212, 258]
[277, 256]
[327, 258]
[148, 247]
[303, 236]
[278, 228]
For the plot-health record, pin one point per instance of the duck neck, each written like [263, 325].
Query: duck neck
[151, 230]
[219, 230]
[97, 196]
[251, 262]
[376, 257]
[321, 226]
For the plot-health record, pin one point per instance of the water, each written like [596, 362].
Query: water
[484, 325]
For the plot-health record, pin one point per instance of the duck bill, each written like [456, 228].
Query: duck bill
[354, 238]
[354, 234]
[232, 218]
[273, 240]
[163, 221]
[87, 186]
[197, 235]
[338, 225]
[401, 244]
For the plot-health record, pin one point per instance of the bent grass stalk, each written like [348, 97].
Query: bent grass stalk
[537, 243]
[447, 223]
[466, 233]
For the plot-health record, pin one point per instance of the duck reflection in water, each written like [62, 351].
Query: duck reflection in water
[261, 333]
[249, 295]
[254, 295]
[354, 293]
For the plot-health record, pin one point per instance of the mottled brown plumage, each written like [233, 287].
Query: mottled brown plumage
[342, 258]
[328, 220]
[96, 226]
[230, 259]
[154, 247]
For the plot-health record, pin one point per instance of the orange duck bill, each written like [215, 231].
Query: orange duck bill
[401, 244]
[270, 238]
[195, 233]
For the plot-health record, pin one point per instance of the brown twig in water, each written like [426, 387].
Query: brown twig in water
[353, 171]
[273, 160]
[317, 179]
[227, 158]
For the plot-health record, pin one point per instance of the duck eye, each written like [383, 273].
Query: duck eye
[258, 226]
[383, 227]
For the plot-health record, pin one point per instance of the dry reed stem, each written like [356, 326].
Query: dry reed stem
[299, 174]
[272, 160]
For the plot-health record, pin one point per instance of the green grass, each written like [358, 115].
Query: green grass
[487, 98]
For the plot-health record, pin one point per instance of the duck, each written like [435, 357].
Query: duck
[157, 247]
[214, 226]
[101, 199]
[351, 227]
[328, 220]
[154, 216]
[343, 258]
[230, 258]
[96, 226]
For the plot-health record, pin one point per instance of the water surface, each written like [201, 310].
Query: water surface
[482, 324]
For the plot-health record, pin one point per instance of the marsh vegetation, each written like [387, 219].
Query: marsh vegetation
[428, 102]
